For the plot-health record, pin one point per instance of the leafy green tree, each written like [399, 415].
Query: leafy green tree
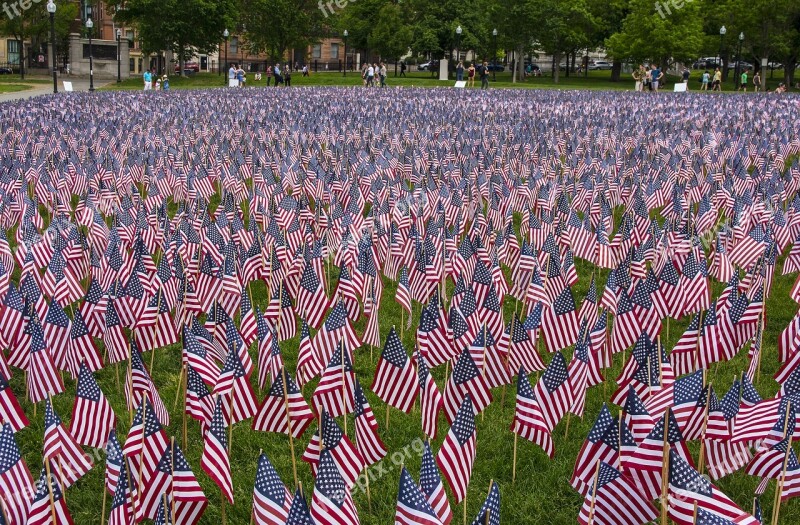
[391, 36]
[647, 35]
[565, 26]
[34, 24]
[276, 26]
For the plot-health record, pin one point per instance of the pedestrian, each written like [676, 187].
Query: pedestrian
[231, 73]
[685, 77]
[471, 75]
[269, 75]
[716, 84]
[383, 74]
[402, 68]
[371, 75]
[460, 71]
[704, 80]
[305, 70]
[165, 83]
[278, 77]
[364, 69]
[484, 72]
[638, 77]
[743, 81]
[287, 76]
[757, 82]
[655, 77]
[240, 76]
[148, 80]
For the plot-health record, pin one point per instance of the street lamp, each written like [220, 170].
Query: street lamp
[345, 34]
[458, 44]
[51, 8]
[89, 26]
[119, 56]
[739, 60]
[494, 58]
[722, 70]
[225, 35]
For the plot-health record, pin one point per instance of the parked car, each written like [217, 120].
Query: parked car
[742, 65]
[431, 65]
[775, 65]
[706, 63]
[599, 65]
[6, 71]
[188, 66]
[494, 66]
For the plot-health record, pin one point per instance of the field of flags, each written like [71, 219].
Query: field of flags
[251, 306]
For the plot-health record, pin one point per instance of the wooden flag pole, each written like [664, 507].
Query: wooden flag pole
[183, 411]
[102, 512]
[171, 479]
[289, 423]
[50, 490]
[489, 510]
[702, 459]
[465, 508]
[141, 452]
[782, 481]
[761, 340]
[665, 470]
[344, 388]
[619, 442]
[514, 463]
[594, 493]
[483, 365]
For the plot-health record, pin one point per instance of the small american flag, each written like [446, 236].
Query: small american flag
[432, 487]
[332, 503]
[430, 399]
[368, 442]
[60, 446]
[395, 379]
[553, 392]
[48, 506]
[284, 404]
[92, 415]
[412, 506]
[344, 453]
[215, 461]
[466, 380]
[271, 498]
[16, 482]
[614, 500]
[529, 421]
[457, 454]
[490, 510]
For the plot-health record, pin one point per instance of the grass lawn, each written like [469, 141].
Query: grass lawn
[16, 79]
[12, 88]
[597, 80]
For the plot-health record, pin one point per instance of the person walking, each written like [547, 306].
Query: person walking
[484, 72]
[371, 75]
[704, 81]
[757, 82]
[148, 80]
[364, 70]
[460, 71]
[287, 76]
[402, 68]
[471, 75]
[685, 77]
[716, 85]
[638, 77]
[278, 77]
[382, 74]
[269, 75]
[743, 81]
[231, 73]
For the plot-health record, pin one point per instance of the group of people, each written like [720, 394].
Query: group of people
[282, 75]
[651, 79]
[154, 82]
[482, 70]
[369, 72]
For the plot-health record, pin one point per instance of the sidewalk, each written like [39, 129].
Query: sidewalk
[78, 84]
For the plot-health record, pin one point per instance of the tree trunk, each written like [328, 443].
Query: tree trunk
[521, 64]
[788, 72]
[556, 67]
[725, 68]
[616, 70]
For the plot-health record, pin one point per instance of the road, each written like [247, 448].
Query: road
[78, 84]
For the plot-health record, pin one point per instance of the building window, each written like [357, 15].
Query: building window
[316, 51]
[129, 37]
[335, 51]
[13, 51]
[234, 47]
[132, 65]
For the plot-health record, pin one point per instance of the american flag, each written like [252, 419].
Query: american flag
[395, 378]
[284, 405]
[234, 386]
[312, 303]
[344, 453]
[636, 416]
[48, 507]
[92, 415]
[114, 459]
[146, 441]
[412, 506]
[466, 380]
[60, 447]
[368, 441]
[529, 419]
[139, 385]
[432, 335]
[560, 323]
[16, 482]
[614, 500]
[43, 379]
[10, 409]
[606, 441]
[627, 326]
[298, 511]
[334, 392]
[430, 399]
[195, 356]
[553, 392]
[490, 509]
[271, 498]
[431, 485]
[199, 401]
[122, 505]
[403, 293]
[457, 453]
[174, 476]
[215, 461]
[332, 503]
[688, 488]
[308, 363]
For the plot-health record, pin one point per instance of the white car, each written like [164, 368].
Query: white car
[598, 65]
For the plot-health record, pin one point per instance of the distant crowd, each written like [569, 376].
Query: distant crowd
[652, 79]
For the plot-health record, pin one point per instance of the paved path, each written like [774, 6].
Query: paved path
[78, 84]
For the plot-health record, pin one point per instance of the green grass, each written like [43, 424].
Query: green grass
[596, 80]
[12, 88]
[16, 79]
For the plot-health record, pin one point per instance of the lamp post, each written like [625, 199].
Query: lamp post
[225, 35]
[494, 58]
[119, 56]
[722, 31]
[51, 8]
[345, 34]
[89, 26]
[739, 60]
[458, 44]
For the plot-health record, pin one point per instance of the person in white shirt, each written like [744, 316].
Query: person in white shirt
[370, 76]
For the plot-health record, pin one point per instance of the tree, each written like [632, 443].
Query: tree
[183, 26]
[566, 26]
[390, 36]
[647, 35]
[34, 24]
[276, 26]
